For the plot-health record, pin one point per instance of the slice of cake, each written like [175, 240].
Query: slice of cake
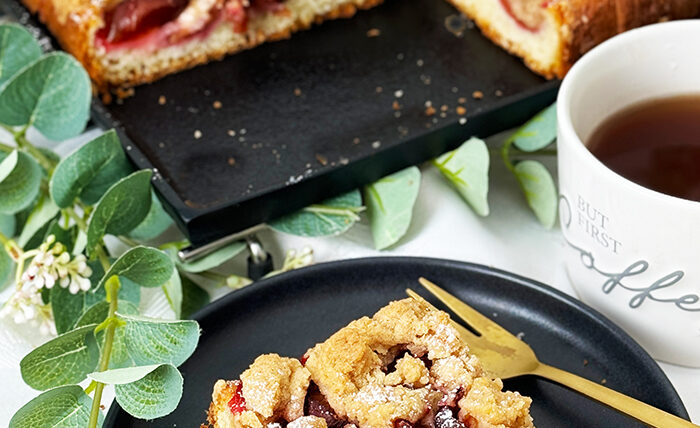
[550, 35]
[404, 367]
[123, 43]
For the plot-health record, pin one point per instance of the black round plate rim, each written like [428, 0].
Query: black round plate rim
[358, 263]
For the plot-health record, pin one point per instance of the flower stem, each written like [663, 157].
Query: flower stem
[4, 240]
[23, 143]
[112, 288]
[6, 148]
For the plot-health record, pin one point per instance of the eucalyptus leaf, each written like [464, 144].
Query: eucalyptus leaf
[7, 268]
[62, 407]
[467, 169]
[173, 292]
[193, 297]
[17, 49]
[65, 360]
[92, 168]
[52, 94]
[96, 314]
[214, 259]
[145, 266]
[121, 209]
[156, 394]
[20, 178]
[538, 132]
[123, 375]
[390, 205]
[156, 222]
[155, 341]
[331, 217]
[44, 211]
[540, 190]
[8, 224]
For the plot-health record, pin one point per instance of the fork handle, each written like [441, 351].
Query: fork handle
[641, 411]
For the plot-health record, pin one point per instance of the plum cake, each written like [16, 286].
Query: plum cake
[404, 367]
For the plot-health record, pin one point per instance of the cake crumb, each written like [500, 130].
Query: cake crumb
[162, 100]
[420, 63]
[231, 161]
[376, 144]
[477, 95]
[585, 362]
[603, 381]
[378, 89]
[374, 32]
[499, 93]
[429, 110]
[321, 159]
[461, 100]
[231, 133]
[444, 108]
[297, 92]
[197, 134]
[462, 120]
[395, 105]
[216, 104]
[461, 110]
[398, 93]
[356, 140]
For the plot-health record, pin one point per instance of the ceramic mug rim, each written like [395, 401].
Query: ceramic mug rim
[568, 135]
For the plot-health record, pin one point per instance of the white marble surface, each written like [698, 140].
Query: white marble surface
[443, 226]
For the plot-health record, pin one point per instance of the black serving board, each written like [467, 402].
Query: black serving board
[291, 312]
[309, 119]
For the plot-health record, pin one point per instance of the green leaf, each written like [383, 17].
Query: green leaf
[155, 341]
[145, 266]
[390, 206]
[17, 49]
[156, 222]
[467, 168]
[44, 211]
[173, 292]
[8, 224]
[63, 407]
[538, 132]
[123, 375]
[20, 177]
[156, 394]
[52, 94]
[540, 190]
[70, 307]
[91, 169]
[121, 209]
[331, 217]
[61, 361]
[193, 297]
[66, 237]
[7, 268]
[214, 259]
[96, 314]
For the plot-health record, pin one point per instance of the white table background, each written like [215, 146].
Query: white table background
[443, 226]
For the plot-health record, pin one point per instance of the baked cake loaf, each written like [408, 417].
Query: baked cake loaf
[550, 35]
[123, 43]
[404, 367]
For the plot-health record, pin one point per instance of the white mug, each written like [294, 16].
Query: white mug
[632, 253]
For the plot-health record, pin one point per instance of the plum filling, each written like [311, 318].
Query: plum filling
[528, 14]
[159, 23]
[317, 405]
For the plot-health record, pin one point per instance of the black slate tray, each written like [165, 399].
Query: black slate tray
[309, 119]
[291, 312]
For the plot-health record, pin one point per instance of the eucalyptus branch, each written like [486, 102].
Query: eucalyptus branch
[76, 218]
[23, 143]
[4, 240]
[102, 256]
[348, 212]
[505, 153]
[4, 147]
[128, 241]
[112, 288]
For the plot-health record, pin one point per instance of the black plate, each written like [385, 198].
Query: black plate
[291, 312]
[337, 68]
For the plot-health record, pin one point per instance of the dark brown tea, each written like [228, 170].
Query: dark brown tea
[656, 144]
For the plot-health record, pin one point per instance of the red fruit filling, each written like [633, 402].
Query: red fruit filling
[526, 13]
[237, 402]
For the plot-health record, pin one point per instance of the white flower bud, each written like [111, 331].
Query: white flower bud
[64, 282]
[64, 258]
[84, 283]
[49, 280]
[74, 286]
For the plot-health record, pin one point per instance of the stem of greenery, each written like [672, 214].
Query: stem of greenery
[4, 240]
[6, 148]
[348, 212]
[23, 143]
[112, 288]
[505, 150]
[102, 256]
[128, 241]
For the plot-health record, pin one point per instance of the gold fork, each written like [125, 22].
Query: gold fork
[505, 356]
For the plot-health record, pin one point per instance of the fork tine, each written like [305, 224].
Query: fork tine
[463, 331]
[470, 315]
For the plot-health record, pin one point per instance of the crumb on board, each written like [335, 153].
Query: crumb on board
[231, 133]
[162, 100]
[397, 114]
[455, 89]
[461, 100]
[400, 56]
[356, 140]
[499, 93]
[378, 89]
[395, 105]
[477, 95]
[603, 381]
[444, 108]
[429, 110]
[321, 159]
[398, 93]
[216, 104]
[374, 32]
[231, 161]
[124, 93]
[462, 120]
[376, 144]
[197, 134]
[585, 362]
[297, 92]
[461, 110]
[420, 63]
